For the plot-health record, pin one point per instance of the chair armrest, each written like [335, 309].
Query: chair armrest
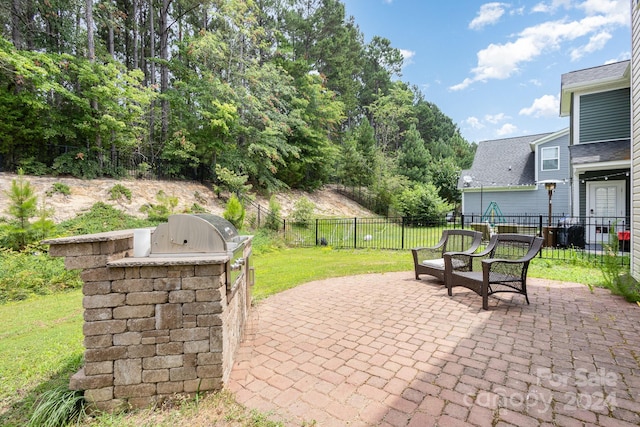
[458, 261]
[427, 253]
[509, 267]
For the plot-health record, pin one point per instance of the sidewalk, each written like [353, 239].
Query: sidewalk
[388, 350]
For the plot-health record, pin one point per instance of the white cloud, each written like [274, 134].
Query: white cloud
[596, 42]
[545, 106]
[489, 14]
[622, 57]
[495, 118]
[501, 61]
[474, 122]
[506, 129]
[551, 7]
[407, 56]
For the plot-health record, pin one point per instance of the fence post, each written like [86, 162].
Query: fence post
[284, 229]
[402, 239]
[259, 215]
[462, 221]
[540, 225]
[317, 232]
[355, 233]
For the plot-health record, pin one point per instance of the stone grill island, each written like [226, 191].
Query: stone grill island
[164, 311]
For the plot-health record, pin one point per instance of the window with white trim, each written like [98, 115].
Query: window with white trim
[550, 158]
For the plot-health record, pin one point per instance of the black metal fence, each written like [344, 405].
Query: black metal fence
[566, 238]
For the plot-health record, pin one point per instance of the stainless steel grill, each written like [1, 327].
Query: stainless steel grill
[199, 235]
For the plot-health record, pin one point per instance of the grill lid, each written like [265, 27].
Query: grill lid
[189, 234]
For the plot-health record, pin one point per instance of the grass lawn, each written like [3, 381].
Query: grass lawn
[41, 338]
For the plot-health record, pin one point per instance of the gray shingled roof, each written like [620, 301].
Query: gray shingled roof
[596, 152]
[502, 163]
[604, 72]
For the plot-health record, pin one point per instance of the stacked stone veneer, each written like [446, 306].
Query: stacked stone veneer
[153, 327]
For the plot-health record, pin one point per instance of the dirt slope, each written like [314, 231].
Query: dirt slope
[84, 193]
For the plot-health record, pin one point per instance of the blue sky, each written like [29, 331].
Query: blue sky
[495, 67]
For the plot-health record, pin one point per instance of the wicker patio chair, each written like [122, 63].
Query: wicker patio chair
[504, 262]
[429, 260]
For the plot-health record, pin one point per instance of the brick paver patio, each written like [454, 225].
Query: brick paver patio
[388, 350]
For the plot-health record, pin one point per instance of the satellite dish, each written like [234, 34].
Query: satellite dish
[467, 179]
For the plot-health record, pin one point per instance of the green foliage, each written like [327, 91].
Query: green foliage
[445, 175]
[615, 274]
[33, 272]
[118, 192]
[422, 204]
[58, 407]
[273, 221]
[197, 208]
[230, 181]
[100, 218]
[162, 210]
[302, 213]
[76, 165]
[414, 160]
[31, 166]
[234, 212]
[23, 206]
[59, 188]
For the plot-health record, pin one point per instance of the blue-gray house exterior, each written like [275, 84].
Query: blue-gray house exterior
[591, 162]
[508, 172]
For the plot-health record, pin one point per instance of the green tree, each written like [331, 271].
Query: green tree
[17, 234]
[392, 114]
[414, 160]
[445, 174]
[234, 212]
[422, 204]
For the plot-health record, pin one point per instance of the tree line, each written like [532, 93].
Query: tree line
[274, 93]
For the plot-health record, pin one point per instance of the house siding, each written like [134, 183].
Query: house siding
[635, 143]
[562, 173]
[605, 116]
[520, 202]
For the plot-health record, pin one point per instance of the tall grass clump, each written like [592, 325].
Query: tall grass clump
[58, 407]
[617, 277]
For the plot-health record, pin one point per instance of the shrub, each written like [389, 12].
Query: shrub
[196, 208]
[102, 217]
[142, 170]
[33, 272]
[422, 204]
[302, 212]
[31, 166]
[234, 212]
[60, 188]
[616, 275]
[77, 165]
[160, 212]
[118, 192]
[273, 220]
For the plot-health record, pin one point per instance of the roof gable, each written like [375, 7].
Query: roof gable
[505, 162]
[612, 76]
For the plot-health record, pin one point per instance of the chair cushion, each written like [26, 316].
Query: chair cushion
[438, 263]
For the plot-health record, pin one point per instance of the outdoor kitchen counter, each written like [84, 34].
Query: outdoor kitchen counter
[170, 260]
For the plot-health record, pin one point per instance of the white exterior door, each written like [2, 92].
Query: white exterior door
[605, 204]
